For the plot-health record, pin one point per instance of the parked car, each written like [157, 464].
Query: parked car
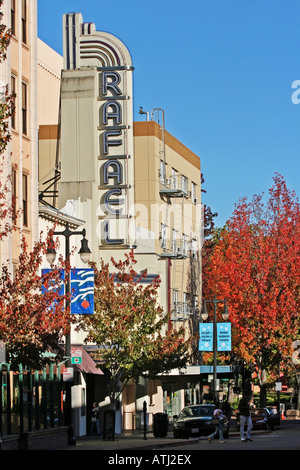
[195, 420]
[273, 417]
[262, 418]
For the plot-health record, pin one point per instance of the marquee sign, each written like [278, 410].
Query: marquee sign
[114, 174]
[110, 65]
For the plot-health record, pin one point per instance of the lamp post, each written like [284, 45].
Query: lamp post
[84, 253]
[225, 315]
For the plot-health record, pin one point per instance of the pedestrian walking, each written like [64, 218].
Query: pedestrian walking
[226, 408]
[218, 418]
[245, 418]
[95, 424]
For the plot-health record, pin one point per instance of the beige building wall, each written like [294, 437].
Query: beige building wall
[161, 184]
[19, 71]
[168, 209]
[50, 65]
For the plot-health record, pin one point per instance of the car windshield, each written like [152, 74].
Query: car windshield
[199, 411]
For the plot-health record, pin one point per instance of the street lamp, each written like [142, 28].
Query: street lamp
[225, 316]
[84, 253]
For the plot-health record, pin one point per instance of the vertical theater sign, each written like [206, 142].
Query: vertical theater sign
[97, 167]
[114, 156]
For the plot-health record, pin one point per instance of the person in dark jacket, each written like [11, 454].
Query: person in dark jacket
[245, 419]
[95, 424]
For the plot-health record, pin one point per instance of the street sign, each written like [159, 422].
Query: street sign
[278, 386]
[76, 356]
[68, 374]
[2, 352]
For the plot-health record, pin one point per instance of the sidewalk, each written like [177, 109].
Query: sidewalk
[128, 441]
[137, 441]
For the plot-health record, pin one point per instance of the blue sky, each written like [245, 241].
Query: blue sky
[222, 70]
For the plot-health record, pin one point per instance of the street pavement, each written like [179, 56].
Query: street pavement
[137, 441]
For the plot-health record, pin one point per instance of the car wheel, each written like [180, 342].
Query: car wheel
[176, 435]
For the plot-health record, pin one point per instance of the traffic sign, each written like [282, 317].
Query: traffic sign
[68, 374]
[76, 356]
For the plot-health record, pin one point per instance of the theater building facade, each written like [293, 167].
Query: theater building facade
[136, 187]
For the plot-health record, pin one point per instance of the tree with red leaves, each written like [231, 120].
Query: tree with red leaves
[255, 265]
[7, 206]
[33, 315]
[130, 328]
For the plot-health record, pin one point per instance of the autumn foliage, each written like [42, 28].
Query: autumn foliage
[33, 317]
[255, 265]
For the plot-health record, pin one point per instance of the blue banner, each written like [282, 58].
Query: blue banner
[206, 331]
[206, 341]
[82, 291]
[60, 288]
[224, 336]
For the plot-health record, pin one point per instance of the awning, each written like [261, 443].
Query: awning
[88, 365]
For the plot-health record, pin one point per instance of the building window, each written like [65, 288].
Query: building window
[13, 17]
[176, 303]
[195, 305]
[174, 179]
[185, 244]
[174, 240]
[14, 195]
[24, 21]
[194, 249]
[13, 92]
[186, 307]
[163, 235]
[162, 172]
[25, 199]
[184, 184]
[24, 108]
[194, 193]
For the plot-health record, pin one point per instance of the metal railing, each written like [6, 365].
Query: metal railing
[30, 400]
[181, 311]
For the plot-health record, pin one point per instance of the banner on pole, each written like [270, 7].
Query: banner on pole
[224, 336]
[206, 342]
[82, 291]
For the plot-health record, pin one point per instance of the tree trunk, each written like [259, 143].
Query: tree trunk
[263, 395]
[298, 400]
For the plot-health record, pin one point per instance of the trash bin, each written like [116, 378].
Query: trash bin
[160, 424]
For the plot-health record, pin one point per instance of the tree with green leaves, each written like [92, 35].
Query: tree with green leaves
[131, 330]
